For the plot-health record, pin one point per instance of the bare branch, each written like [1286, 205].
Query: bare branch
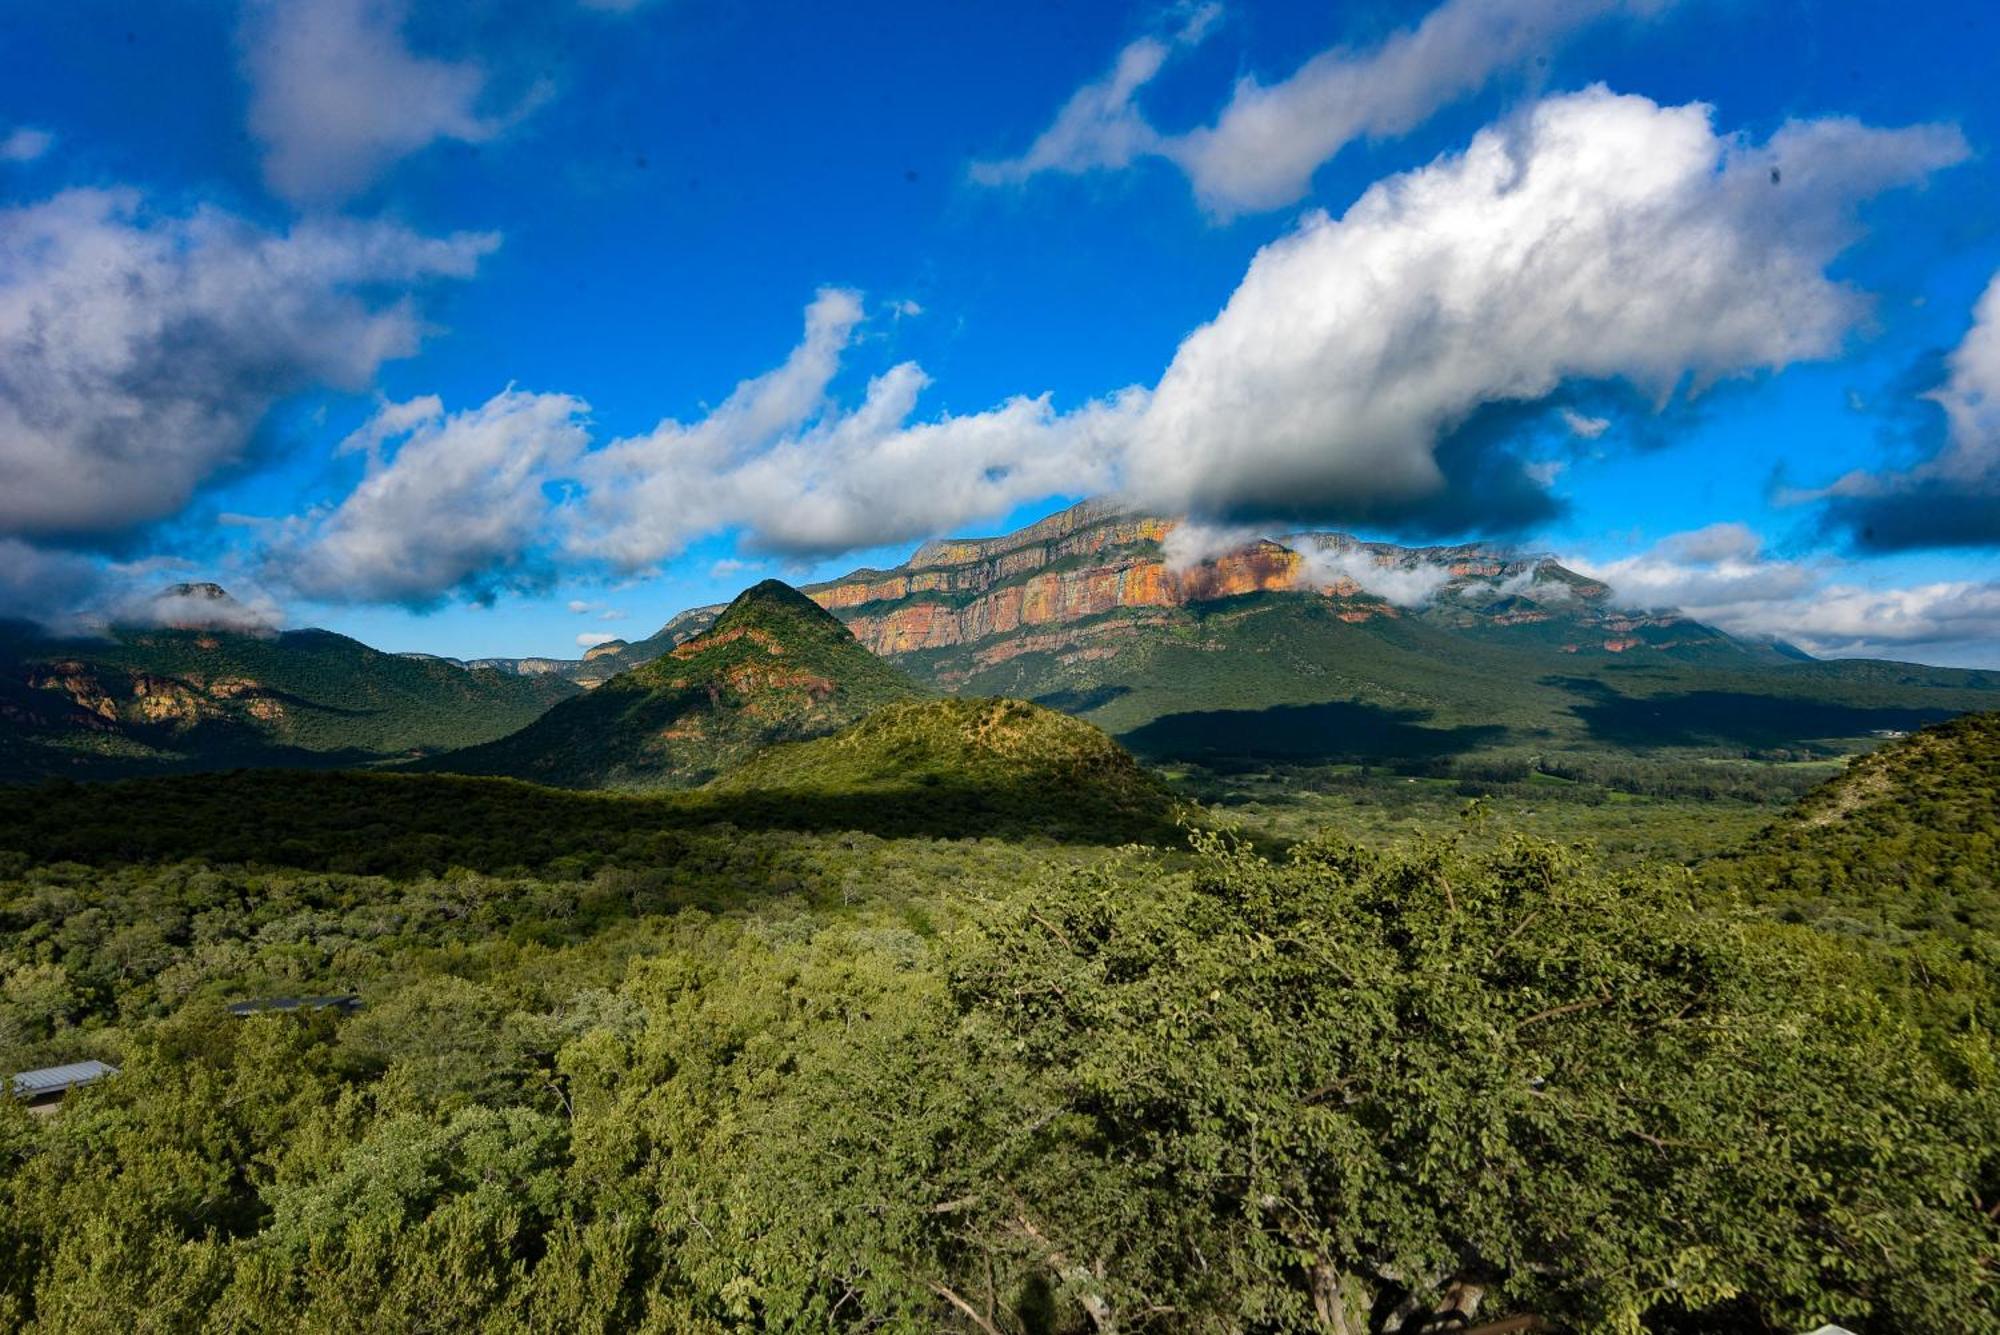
[971, 1312]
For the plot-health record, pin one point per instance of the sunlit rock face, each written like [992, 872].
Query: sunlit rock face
[1043, 588]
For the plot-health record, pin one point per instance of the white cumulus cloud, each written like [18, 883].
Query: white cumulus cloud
[801, 474]
[1351, 378]
[1262, 150]
[1951, 499]
[140, 350]
[1721, 575]
[1595, 238]
[458, 506]
[1405, 585]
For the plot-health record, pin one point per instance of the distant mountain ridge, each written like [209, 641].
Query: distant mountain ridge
[773, 667]
[194, 696]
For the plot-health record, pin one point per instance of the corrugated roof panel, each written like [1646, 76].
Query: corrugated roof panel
[52, 1079]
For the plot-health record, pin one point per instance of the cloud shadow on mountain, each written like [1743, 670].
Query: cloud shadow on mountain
[1732, 719]
[1337, 731]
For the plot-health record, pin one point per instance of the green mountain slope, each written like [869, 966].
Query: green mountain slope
[1280, 677]
[774, 667]
[997, 763]
[1905, 841]
[158, 700]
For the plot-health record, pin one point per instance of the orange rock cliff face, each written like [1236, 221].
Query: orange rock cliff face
[1049, 587]
[1079, 564]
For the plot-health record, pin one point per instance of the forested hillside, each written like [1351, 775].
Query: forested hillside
[774, 667]
[1906, 841]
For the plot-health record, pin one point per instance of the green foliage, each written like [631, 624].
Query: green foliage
[774, 667]
[1272, 1089]
[732, 1060]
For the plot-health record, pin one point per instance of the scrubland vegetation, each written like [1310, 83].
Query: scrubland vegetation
[688, 1063]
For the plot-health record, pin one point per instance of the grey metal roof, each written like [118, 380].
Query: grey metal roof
[55, 1079]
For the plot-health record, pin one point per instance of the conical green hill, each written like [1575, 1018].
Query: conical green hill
[774, 667]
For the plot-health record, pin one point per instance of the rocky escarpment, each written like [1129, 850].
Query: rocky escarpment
[1080, 583]
[1051, 585]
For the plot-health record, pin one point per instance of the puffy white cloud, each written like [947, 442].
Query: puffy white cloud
[459, 506]
[1596, 238]
[1953, 498]
[337, 95]
[25, 143]
[1405, 585]
[1100, 126]
[1263, 149]
[186, 606]
[74, 593]
[1721, 576]
[590, 639]
[139, 351]
[800, 474]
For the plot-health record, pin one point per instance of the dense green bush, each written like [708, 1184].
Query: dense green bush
[794, 1082]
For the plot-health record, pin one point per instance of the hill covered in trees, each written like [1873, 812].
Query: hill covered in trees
[1905, 841]
[773, 667]
[1007, 760]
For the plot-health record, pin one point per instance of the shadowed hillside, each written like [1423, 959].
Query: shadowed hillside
[941, 769]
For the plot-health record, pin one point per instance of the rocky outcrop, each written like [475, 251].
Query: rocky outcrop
[124, 696]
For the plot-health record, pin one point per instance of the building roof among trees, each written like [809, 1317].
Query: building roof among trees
[57, 1079]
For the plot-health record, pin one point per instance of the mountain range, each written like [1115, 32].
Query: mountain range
[1308, 648]
[1321, 647]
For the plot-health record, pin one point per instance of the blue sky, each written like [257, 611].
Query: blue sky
[374, 310]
